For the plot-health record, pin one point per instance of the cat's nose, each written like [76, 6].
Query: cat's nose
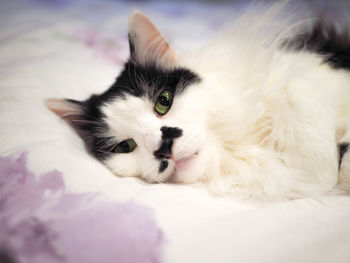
[168, 136]
[170, 133]
[164, 151]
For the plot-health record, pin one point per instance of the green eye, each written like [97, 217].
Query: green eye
[163, 103]
[126, 146]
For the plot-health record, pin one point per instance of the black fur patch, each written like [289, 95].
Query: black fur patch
[342, 148]
[168, 136]
[164, 151]
[139, 81]
[163, 165]
[150, 81]
[324, 39]
[170, 133]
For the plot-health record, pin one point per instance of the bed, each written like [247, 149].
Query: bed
[59, 204]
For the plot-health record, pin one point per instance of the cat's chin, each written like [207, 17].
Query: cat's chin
[183, 163]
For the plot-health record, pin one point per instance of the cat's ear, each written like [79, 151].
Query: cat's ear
[71, 111]
[147, 45]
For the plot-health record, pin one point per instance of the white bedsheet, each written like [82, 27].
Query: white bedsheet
[72, 49]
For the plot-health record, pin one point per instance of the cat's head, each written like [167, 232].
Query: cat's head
[151, 122]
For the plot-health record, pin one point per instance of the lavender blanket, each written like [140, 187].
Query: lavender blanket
[41, 223]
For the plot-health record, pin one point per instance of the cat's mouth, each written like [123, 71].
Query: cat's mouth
[181, 165]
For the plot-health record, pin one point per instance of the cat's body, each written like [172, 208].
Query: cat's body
[246, 114]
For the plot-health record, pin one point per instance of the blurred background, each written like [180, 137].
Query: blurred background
[102, 24]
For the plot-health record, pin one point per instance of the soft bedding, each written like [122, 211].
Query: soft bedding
[58, 204]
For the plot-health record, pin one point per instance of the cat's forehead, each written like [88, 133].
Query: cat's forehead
[149, 80]
[127, 107]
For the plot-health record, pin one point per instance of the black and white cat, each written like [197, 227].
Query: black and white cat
[249, 114]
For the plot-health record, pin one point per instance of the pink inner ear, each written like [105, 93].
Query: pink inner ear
[66, 110]
[149, 43]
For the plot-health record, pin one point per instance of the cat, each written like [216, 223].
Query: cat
[254, 114]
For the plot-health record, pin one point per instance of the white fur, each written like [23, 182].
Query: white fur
[261, 123]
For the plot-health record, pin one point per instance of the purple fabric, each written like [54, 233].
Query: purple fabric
[40, 222]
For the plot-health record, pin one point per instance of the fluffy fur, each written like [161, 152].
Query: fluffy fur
[260, 115]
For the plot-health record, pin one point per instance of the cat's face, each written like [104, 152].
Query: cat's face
[160, 125]
[151, 122]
